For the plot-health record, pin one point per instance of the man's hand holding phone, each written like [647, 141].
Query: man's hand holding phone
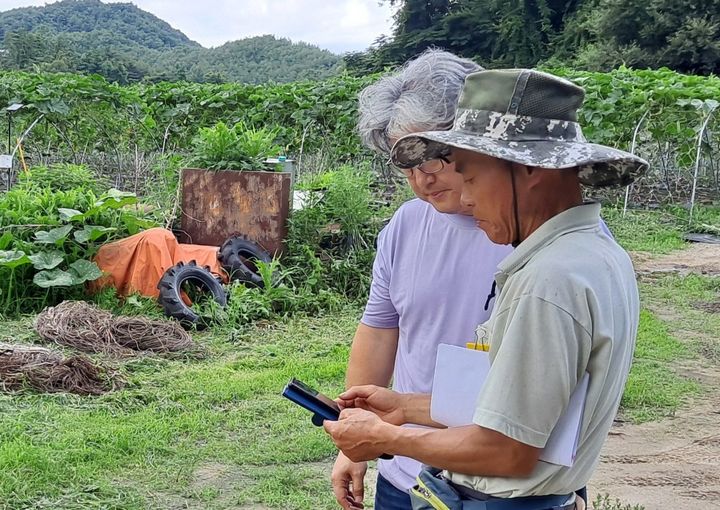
[327, 413]
[387, 404]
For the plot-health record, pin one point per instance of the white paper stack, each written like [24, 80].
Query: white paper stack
[459, 376]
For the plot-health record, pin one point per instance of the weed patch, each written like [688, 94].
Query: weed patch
[692, 298]
[644, 230]
[653, 390]
[603, 502]
[47, 238]
[660, 231]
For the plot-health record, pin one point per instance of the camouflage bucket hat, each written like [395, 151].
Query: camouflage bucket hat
[527, 117]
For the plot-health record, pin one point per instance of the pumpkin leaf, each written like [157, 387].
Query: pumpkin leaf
[115, 199]
[55, 236]
[84, 271]
[47, 259]
[13, 258]
[70, 214]
[91, 233]
[54, 278]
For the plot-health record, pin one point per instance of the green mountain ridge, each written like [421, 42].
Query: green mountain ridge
[123, 43]
[128, 22]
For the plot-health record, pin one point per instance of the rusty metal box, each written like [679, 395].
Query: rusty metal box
[219, 204]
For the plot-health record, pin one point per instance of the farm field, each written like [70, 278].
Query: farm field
[206, 427]
[214, 433]
[190, 215]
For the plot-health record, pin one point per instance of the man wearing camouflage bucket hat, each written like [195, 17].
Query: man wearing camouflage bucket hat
[537, 128]
[567, 303]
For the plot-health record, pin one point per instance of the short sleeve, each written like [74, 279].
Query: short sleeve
[379, 310]
[534, 371]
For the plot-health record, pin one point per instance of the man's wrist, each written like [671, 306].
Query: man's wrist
[396, 440]
[415, 408]
[391, 438]
[405, 405]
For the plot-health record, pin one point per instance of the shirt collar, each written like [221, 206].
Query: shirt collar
[575, 218]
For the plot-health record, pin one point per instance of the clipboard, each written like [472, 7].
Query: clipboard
[459, 376]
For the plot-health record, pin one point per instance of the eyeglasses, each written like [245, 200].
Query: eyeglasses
[432, 166]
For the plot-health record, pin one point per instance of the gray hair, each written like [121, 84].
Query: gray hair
[420, 96]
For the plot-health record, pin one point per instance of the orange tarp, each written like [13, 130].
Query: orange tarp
[136, 264]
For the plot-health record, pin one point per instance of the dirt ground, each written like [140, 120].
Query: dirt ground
[673, 463]
[670, 464]
[697, 258]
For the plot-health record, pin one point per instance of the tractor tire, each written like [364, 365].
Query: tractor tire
[238, 256]
[170, 286]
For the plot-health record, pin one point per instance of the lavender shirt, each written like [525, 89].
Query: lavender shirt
[431, 278]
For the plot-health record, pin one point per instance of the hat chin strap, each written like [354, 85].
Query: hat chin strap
[515, 208]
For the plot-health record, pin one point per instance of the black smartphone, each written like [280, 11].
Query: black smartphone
[322, 406]
[312, 400]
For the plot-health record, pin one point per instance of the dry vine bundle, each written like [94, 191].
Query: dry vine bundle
[24, 366]
[85, 327]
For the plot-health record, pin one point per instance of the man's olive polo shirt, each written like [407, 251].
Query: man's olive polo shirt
[568, 303]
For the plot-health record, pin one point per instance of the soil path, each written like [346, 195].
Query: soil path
[697, 258]
[673, 463]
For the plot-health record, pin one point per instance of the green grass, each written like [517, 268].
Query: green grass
[659, 231]
[688, 332]
[695, 299]
[141, 447]
[644, 230]
[683, 292]
[653, 389]
[705, 218]
[603, 502]
[288, 487]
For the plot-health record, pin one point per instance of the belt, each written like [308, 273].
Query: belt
[480, 501]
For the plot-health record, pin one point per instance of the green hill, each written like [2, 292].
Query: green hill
[253, 60]
[124, 43]
[129, 25]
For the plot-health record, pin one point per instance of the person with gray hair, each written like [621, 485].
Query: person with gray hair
[421, 95]
[418, 297]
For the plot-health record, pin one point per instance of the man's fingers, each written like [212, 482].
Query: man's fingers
[359, 392]
[330, 427]
[356, 403]
[358, 487]
[345, 404]
[341, 489]
[354, 505]
[349, 412]
[342, 496]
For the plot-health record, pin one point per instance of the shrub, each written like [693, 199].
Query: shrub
[278, 296]
[234, 148]
[48, 237]
[332, 240]
[61, 177]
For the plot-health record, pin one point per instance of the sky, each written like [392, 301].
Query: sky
[336, 25]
